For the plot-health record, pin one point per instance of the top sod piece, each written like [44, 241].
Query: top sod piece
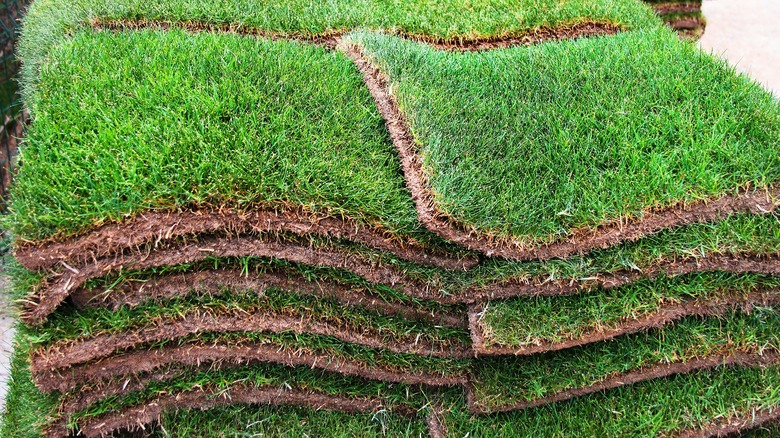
[534, 144]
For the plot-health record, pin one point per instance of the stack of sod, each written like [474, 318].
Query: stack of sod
[475, 217]
[683, 16]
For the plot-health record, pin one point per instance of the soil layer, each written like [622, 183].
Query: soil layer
[209, 282]
[127, 365]
[68, 353]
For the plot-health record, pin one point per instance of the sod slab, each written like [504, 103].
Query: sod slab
[653, 128]
[219, 350]
[73, 336]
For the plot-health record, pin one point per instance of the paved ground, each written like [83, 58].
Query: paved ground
[747, 34]
[6, 336]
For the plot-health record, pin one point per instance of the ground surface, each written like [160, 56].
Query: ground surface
[745, 32]
[6, 336]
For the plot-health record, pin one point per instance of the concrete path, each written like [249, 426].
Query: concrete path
[747, 34]
[7, 321]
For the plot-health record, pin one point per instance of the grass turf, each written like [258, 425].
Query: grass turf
[250, 266]
[503, 381]
[156, 120]
[525, 322]
[48, 21]
[220, 381]
[534, 142]
[645, 410]
[290, 422]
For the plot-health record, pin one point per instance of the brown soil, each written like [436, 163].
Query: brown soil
[437, 428]
[331, 39]
[127, 365]
[734, 425]
[67, 353]
[156, 226]
[677, 8]
[664, 315]
[51, 293]
[541, 286]
[133, 293]
[649, 373]
[580, 240]
[135, 417]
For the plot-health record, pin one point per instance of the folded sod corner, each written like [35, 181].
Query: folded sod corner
[385, 218]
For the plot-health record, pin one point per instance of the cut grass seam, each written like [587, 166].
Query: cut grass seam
[330, 40]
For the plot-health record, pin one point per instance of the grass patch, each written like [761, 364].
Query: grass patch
[48, 21]
[648, 409]
[158, 120]
[531, 143]
[292, 422]
[504, 380]
[524, 322]
[220, 381]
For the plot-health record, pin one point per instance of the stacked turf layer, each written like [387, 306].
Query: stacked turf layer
[681, 15]
[396, 213]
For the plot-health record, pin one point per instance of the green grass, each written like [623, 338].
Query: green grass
[503, 380]
[220, 381]
[245, 130]
[69, 324]
[284, 422]
[525, 322]
[48, 21]
[648, 409]
[531, 143]
[156, 120]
